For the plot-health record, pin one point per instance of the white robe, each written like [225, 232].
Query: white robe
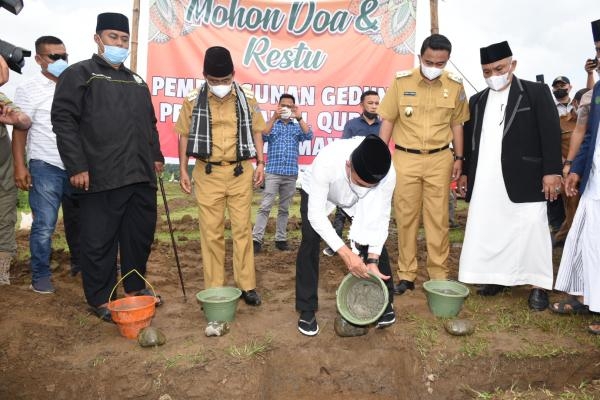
[579, 272]
[505, 243]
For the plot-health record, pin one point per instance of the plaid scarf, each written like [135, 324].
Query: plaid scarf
[199, 143]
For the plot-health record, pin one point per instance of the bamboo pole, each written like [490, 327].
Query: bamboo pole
[433, 11]
[134, 35]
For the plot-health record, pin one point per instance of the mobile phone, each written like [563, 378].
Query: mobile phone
[539, 78]
[593, 62]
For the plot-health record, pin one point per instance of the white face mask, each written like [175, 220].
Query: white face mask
[359, 191]
[220, 90]
[431, 73]
[286, 113]
[498, 82]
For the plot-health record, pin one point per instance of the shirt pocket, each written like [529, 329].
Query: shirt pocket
[445, 106]
[408, 107]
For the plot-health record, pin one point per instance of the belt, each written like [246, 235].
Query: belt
[414, 151]
[219, 163]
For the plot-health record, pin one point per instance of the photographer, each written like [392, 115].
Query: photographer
[9, 115]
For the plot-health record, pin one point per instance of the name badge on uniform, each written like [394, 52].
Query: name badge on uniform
[410, 93]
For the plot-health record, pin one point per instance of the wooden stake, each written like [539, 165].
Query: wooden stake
[134, 35]
[433, 11]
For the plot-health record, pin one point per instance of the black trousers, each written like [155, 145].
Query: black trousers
[338, 221]
[307, 263]
[556, 214]
[70, 208]
[120, 220]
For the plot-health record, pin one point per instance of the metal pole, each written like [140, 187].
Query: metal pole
[134, 35]
[433, 11]
[164, 196]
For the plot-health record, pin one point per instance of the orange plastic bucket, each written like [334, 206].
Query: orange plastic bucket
[132, 314]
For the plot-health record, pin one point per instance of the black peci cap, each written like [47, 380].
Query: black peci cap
[218, 62]
[563, 79]
[494, 52]
[113, 21]
[371, 160]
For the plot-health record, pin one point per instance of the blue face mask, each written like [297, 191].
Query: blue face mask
[57, 67]
[115, 55]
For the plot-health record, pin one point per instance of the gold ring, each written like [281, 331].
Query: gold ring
[557, 189]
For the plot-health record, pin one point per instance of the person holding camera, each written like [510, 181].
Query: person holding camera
[285, 130]
[9, 115]
[46, 180]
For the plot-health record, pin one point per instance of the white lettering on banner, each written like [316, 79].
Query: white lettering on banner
[270, 94]
[171, 86]
[346, 95]
[334, 121]
[299, 57]
[168, 110]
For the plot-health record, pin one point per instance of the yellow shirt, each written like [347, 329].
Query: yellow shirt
[223, 121]
[423, 112]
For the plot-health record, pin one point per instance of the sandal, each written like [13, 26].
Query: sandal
[570, 306]
[148, 292]
[592, 330]
[101, 312]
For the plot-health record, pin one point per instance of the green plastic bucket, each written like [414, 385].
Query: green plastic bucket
[219, 303]
[445, 298]
[361, 301]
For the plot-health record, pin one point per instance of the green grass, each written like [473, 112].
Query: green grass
[254, 348]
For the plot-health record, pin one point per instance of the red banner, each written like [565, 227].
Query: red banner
[324, 53]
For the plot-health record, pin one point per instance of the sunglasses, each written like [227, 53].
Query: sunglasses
[56, 57]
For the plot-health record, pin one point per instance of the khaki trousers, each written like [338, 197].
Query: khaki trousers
[422, 182]
[570, 203]
[216, 193]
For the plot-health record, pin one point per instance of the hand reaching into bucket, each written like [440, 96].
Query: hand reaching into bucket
[374, 269]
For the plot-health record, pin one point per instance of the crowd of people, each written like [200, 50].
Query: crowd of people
[523, 156]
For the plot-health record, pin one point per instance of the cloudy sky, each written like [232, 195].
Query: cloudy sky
[549, 37]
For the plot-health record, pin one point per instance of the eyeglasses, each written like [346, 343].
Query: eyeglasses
[56, 57]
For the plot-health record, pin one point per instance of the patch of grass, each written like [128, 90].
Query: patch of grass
[254, 348]
[97, 361]
[474, 304]
[539, 350]
[426, 338]
[474, 348]
[165, 237]
[582, 392]
[456, 235]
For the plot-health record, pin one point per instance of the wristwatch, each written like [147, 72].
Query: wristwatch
[457, 158]
[568, 162]
[372, 261]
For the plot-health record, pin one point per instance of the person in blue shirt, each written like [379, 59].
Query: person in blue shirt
[285, 130]
[365, 124]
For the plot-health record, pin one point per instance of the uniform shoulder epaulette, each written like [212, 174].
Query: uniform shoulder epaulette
[402, 74]
[454, 77]
[191, 96]
[247, 88]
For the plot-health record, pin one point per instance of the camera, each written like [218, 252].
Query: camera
[593, 62]
[14, 56]
[14, 6]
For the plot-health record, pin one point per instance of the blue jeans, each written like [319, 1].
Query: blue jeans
[49, 185]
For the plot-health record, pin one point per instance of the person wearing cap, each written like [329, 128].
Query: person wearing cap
[579, 271]
[356, 175]
[423, 111]
[10, 114]
[513, 165]
[221, 126]
[46, 180]
[105, 128]
[593, 64]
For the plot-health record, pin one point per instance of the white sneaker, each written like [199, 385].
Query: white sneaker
[328, 251]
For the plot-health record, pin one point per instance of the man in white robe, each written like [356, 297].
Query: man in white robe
[513, 165]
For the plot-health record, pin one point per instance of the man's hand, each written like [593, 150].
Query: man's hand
[22, 176]
[184, 181]
[456, 169]
[259, 175]
[551, 185]
[462, 185]
[374, 269]
[571, 184]
[158, 167]
[81, 180]
[590, 66]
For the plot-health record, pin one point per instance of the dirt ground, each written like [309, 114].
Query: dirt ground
[52, 348]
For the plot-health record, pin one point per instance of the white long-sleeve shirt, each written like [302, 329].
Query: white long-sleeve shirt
[327, 184]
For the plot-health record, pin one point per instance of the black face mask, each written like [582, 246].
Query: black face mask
[369, 115]
[560, 93]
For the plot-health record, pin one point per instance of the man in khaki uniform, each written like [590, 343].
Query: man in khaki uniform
[220, 125]
[423, 111]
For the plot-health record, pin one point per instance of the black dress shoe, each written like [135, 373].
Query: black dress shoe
[491, 290]
[251, 297]
[257, 246]
[538, 299]
[403, 286]
[282, 245]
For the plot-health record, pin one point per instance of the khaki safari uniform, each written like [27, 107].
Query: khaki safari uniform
[568, 120]
[8, 192]
[219, 190]
[422, 114]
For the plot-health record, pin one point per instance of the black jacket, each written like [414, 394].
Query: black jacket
[530, 145]
[105, 124]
